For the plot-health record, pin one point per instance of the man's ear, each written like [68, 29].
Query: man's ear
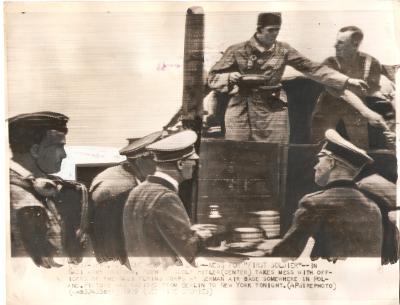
[356, 43]
[34, 151]
[179, 164]
[332, 163]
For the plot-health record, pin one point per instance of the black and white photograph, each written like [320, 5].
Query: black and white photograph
[201, 152]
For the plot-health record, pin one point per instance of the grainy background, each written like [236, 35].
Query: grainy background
[116, 68]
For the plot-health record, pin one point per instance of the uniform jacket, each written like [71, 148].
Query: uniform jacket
[34, 231]
[342, 221]
[330, 109]
[157, 226]
[247, 116]
[108, 192]
[42, 225]
[383, 192]
[379, 186]
[363, 67]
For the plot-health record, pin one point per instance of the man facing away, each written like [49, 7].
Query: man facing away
[48, 214]
[343, 220]
[255, 110]
[330, 109]
[109, 191]
[155, 221]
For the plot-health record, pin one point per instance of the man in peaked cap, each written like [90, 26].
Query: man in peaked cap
[256, 109]
[109, 191]
[48, 214]
[156, 224]
[28, 131]
[341, 218]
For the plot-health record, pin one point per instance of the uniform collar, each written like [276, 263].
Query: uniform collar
[340, 183]
[167, 178]
[128, 166]
[340, 61]
[258, 46]
[19, 169]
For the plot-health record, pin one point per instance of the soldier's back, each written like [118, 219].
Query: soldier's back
[108, 193]
[350, 224]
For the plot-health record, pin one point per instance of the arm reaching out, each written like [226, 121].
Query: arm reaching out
[373, 118]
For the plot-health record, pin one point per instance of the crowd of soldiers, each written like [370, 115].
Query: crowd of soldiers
[134, 209]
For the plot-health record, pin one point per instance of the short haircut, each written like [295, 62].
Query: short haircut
[356, 36]
[21, 140]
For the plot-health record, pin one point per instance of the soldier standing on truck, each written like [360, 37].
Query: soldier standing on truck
[250, 73]
[330, 110]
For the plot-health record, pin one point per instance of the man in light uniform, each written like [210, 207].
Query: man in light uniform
[48, 214]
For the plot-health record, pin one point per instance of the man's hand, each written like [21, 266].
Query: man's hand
[358, 85]
[204, 231]
[82, 237]
[234, 77]
[204, 234]
[390, 138]
[381, 96]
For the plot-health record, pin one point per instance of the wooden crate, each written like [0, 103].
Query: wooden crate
[240, 177]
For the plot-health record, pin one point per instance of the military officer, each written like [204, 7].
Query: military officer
[109, 191]
[155, 221]
[343, 220]
[48, 214]
[250, 73]
[330, 110]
